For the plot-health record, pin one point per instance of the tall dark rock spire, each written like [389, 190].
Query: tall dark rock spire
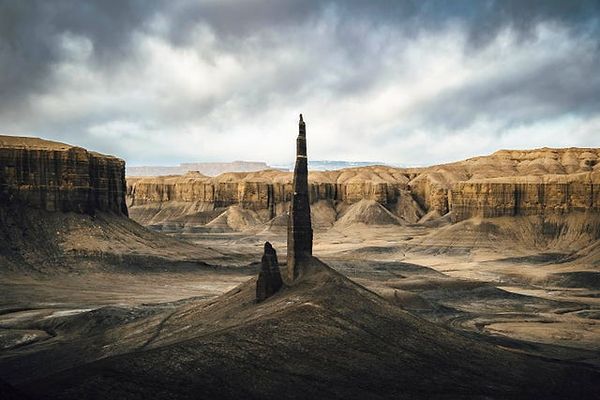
[300, 234]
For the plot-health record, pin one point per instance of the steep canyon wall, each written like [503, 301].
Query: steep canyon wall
[54, 176]
[525, 196]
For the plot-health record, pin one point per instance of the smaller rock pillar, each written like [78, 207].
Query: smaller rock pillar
[269, 278]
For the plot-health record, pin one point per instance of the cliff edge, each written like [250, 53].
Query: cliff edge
[55, 176]
[63, 207]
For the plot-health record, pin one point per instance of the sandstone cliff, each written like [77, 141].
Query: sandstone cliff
[535, 182]
[58, 177]
[266, 193]
[506, 183]
[536, 195]
[63, 206]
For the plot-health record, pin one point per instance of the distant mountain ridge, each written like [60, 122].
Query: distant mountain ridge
[217, 168]
[330, 165]
[205, 168]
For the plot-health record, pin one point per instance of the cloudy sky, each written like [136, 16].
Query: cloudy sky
[403, 82]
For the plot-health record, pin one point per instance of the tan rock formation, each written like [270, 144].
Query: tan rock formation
[468, 188]
[62, 207]
[266, 192]
[511, 196]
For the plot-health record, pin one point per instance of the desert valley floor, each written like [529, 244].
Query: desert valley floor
[463, 277]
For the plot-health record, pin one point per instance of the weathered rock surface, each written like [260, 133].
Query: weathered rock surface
[63, 206]
[262, 190]
[554, 194]
[58, 177]
[269, 278]
[195, 198]
[480, 186]
[367, 212]
[299, 229]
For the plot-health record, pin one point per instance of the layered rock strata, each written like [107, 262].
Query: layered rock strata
[525, 196]
[480, 186]
[63, 207]
[269, 278]
[262, 190]
[54, 176]
[300, 234]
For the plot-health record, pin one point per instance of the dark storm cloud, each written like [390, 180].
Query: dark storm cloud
[29, 29]
[554, 85]
[29, 37]
[523, 17]
[482, 19]
[261, 55]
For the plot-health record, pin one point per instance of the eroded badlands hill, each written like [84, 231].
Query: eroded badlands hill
[506, 183]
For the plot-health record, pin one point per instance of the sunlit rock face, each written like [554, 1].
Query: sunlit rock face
[260, 190]
[57, 177]
[526, 196]
[502, 184]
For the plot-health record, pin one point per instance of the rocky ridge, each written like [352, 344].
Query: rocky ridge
[506, 183]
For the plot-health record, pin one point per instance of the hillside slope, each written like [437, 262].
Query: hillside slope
[306, 343]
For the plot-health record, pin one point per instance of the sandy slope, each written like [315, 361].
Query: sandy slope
[37, 240]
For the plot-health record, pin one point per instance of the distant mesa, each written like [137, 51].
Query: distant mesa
[218, 168]
[205, 168]
[330, 165]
